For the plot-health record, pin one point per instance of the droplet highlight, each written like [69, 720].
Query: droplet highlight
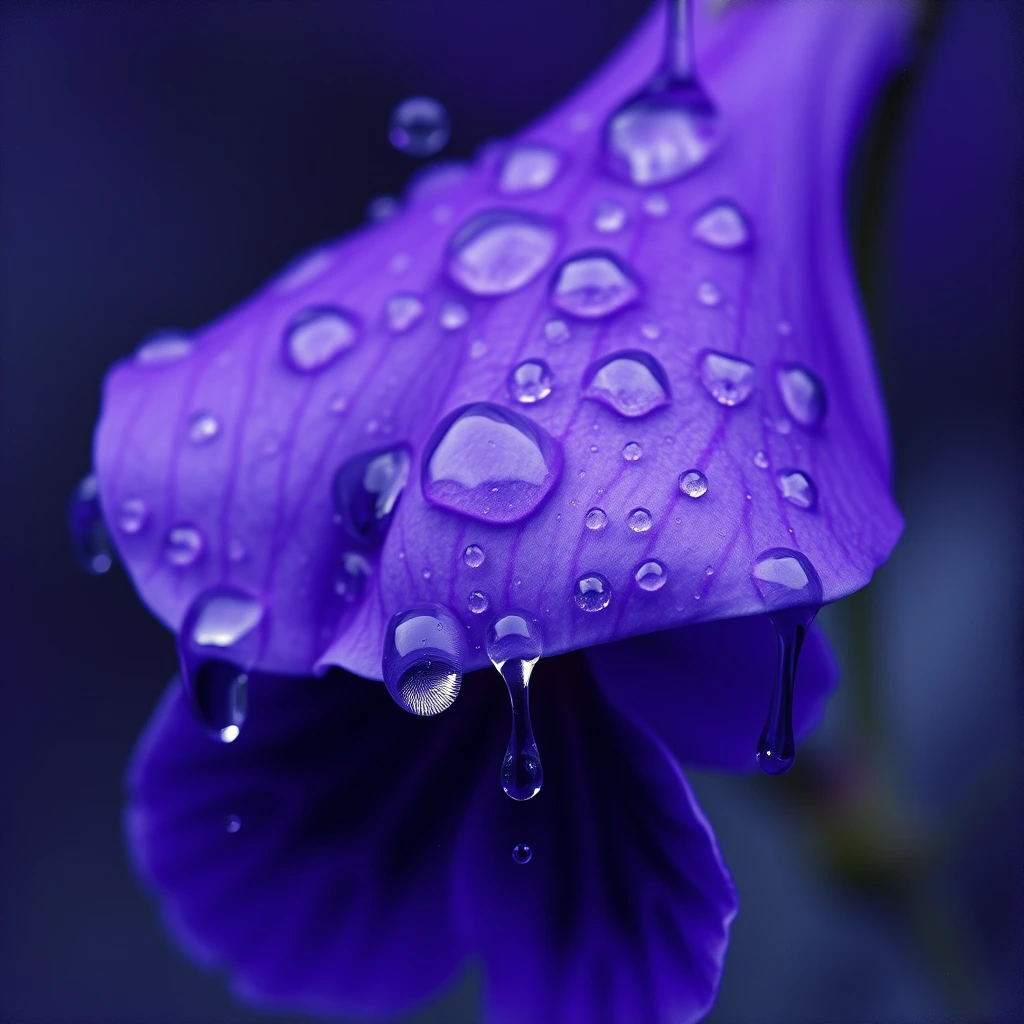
[596, 519]
[522, 853]
[633, 383]
[203, 427]
[640, 520]
[183, 545]
[609, 218]
[403, 312]
[162, 349]
[423, 658]
[632, 452]
[478, 602]
[132, 516]
[651, 576]
[797, 488]
[473, 556]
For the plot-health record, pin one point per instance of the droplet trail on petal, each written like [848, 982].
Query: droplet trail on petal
[423, 658]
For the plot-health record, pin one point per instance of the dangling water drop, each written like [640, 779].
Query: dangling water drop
[500, 251]
[727, 379]
[530, 381]
[424, 652]
[693, 483]
[802, 394]
[490, 464]
[797, 488]
[592, 592]
[317, 337]
[403, 312]
[522, 853]
[514, 647]
[651, 576]
[722, 226]
[528, 167]
[791, 590]
[595, 284]
[633, 383]
[88, 531]
[366, 491]
[419, 127]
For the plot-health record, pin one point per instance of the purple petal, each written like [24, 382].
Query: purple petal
[623, 911]
[705, 689]
[315, 370]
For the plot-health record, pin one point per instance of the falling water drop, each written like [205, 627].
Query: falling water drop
[693, 483]
[633, 383]
[514, 647]
[797, 488]
[592, 592]
[317, 337]
[727, 379]
[419, 127]
[366, 491]
[592, 285]
[802, 394]
[722, 226]
[528, 167]
[522, 853]
[424, 652]
[500, 251]
[530, 381]
[87, 529]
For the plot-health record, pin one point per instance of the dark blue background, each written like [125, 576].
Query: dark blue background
[159, 160]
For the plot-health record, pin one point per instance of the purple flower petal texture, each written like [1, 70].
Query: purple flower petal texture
[733, 280]
[344, 857]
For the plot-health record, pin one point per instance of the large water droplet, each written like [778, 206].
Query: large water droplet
[594, 284]
[596, 519]
[651, 576]
[183, 545]
[500, 251]
[88, 531]
[317, 337]
[633, 383]
[419, 126]
[693, 483]
[609, 217]
[802, 394]
[490, 463]
[727, 379]
[722, 226]
[640, 520]
[163, 348]
[473, 556]
[404, 311]
[530, 381]
[528, 167]
[366, 490]
[592, 592]
[522, 853]
[203, 427]
[514, 647]
[424, 652]
[797, 488]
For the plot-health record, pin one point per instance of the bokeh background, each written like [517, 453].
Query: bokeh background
[159, 160]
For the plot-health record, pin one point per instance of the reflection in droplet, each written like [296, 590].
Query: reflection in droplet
[317, 337]
[693, 483]
[593, 285]
[530, 381]
[424, 653]
[500, 251]
[727, 379]
[87, 528]
[592, 592]
[802, 393]
[633, 383]
[797, 488]
[722, 226]
[366, 491]
[528, 167]
[651, 576]
[419, 126]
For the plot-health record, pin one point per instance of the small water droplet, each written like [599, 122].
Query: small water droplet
[403, 312]
[399, 263]
[693, 483]
[650, 331]
[473, 556]
[708, 293]
[633, 383]
[478, 349]
[522, 853]
[656, 205]
[490, 464]
[453, 316]
[556, 331]
[593, 285]
[592, 592]
[722, 225]
[530, 381]
[596, 519]
[797, 488]
[202, 427]
[183, 545]
[632, 452]
[381, 208]
[339, 403]
[760, 459]
[317, 337]
[528, 167]
[727, 379]
[500, 251]
[232, 823]
[87, 528]
[424, 652]
[350, 578]
[419, 127]
[709, 571]
[478, 602]
[783, 426]
[609, 217]
[651, 576]
[163, 348]
[802, 394]
[132, 516]
[236, 550]
[426, 574]
[366, 491]
[640, 520]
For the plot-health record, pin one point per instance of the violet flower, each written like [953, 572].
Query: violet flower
[611, 380]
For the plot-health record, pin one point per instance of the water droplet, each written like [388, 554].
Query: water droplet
[163, 348]
[609, 217]
[183, 545]
[232, 823]
[556, 331]
[426, 574]
[236, 550]
[709, 571]
[632, 452]
[478, 349]
[514, 647]
[366, 490]
[453, 316]
[88, 531]
[693, 483]
[651, 576]
[473, 556]
[404, 311]
[802, 394]
[202, 427]
[522, 853]
[594, 284]
[632, 383]
[478, 602]
[650, 331]
[708, 293]
[419, 127]
[500, 251]
[490, 463]
[132, 516]
[640, 520]
[760, 459]
[784, 578]
[661, 135]
[797, 488]
[656, 204]
[592, 592]
[596, 519]
[528, 167]
[530, 381]
[317, 337]
[381, 208]
[727, 379]
[424, 651]
[722, 226]
[350, 578]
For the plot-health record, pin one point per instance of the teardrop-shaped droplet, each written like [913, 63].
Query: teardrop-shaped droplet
[404, 311]
[419, 127]
[317, 337]
[609, 217]
[802, 394]
[727, 379]
[522, 853]
[530, 381]
[87, 529]
[203, 427]
[528, 167]
[424, 654]
[592, 592]
[183, 545]
[632, 452]
[693, 483]
[163, 348]
[132, 516]
[514, 646]
[640, 520]
[722, 226]
[490, 464]
[595, 284]
[651, 576]
[633, 383]
[500, 251]
[596, 519]
[366, 491]
[473, 556]
[797, 488]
